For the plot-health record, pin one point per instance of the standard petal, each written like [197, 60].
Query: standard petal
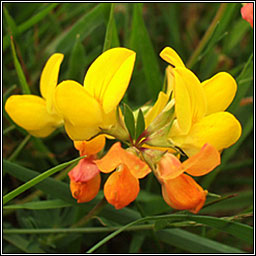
[157, 108]
[91, 147]
[82, 114]
[109, 75]
[203, 162]
[220, 91]
[121, 188]
[183, 193]
[220, 129]
[195, 91]
[85, 191]
[49, 79]
[30, 113]
[171, 56]
[169, 167]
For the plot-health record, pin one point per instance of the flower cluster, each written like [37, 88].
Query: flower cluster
[188, 118]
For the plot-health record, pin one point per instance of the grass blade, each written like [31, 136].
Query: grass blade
[239, 230]
[23, 82]
[36, 180]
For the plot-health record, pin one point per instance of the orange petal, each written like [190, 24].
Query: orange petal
[135, 165]
[91, 147]
[183, 193]
[203, 162]
[85, 191]
[116, 156]
[121, 188]
[169, 167]
[84, 171]
[111, 160]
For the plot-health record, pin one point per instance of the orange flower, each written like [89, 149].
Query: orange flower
[179, 190]
[122, 186]
[85, 176]
[247, 13]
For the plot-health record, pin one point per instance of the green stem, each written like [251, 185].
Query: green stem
[19, 148]
[192, 60]
[8, 129]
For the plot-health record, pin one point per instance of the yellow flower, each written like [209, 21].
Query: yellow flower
[37, 114]
[88, 109]
[200, 107]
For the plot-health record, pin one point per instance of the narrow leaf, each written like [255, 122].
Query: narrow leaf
[39, 205]
[141, 43]
[129, 120]
[110, 29]
[56, 189]
[140, 124]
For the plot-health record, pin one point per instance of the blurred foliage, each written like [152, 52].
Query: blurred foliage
[79, 31]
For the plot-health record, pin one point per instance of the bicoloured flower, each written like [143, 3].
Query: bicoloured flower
[122, 186]
[180, 190]
[85, 176]
[200, 108]
[247, 12]
[88, 109]
[38, 115]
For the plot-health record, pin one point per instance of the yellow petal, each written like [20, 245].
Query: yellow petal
[121, 188]
[195, 91]
[169, 77]
[82, 114]
[49, 79]
[220, 91]
[183, 109]
[171, 56]
[183, 193]
[203, 162]
[157, 108]
[109, 75]
[30, 113]
[220, 129]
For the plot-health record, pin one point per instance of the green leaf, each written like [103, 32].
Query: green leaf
[36, 180]
[129, 120]
[140, 124]
[193, 243]
[39, 205]
[84, 26]
[23, 82]
[141, 43]
[243, 84]
[111, 33]
[236, 35]
[77, 60]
